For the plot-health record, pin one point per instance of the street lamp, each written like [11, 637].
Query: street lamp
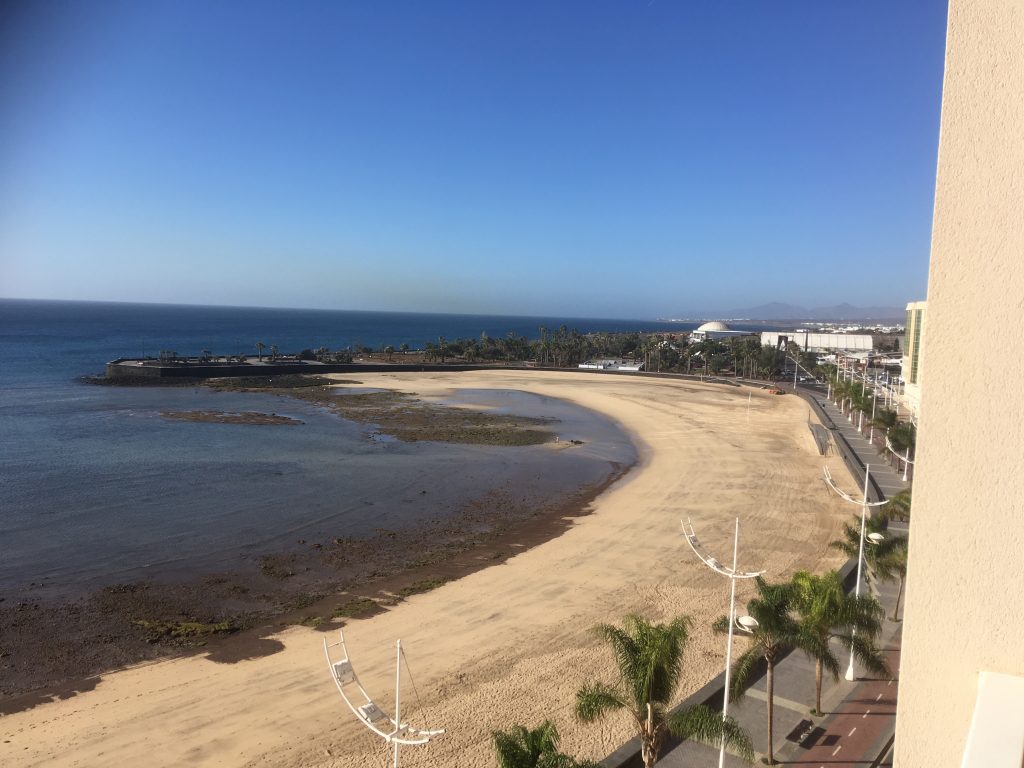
[732, 574]
[904, 458]
[864, 504]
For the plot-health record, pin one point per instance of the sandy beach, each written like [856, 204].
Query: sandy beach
[508, 644]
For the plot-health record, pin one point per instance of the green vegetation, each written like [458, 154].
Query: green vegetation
[519, 747]
[419, 587]
[776, 632]
[898, 507]
[355, 609]
[825, 611]
[158, 630]
[649, 658]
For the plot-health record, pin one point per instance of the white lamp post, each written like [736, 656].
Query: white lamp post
[874, 401]
[732, 574]
[905, 458]
[864, 504]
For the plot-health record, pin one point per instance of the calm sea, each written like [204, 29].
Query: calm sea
[96, 487]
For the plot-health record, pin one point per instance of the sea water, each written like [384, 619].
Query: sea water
[97, 487]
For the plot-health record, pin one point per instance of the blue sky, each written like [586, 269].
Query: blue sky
[630, 159]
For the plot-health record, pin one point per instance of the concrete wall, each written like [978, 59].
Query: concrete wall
[967, 545]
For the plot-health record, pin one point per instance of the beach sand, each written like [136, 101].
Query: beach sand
[510, 643]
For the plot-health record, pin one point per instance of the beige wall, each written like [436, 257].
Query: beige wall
[966, 582]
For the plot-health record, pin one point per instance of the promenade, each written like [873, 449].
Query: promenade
[860, 716]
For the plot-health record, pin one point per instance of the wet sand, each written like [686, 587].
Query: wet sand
[506, 644]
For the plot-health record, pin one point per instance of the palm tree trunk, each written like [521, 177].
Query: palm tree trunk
[648, 747]
[817, 686]
[771, 712]
[896, 610]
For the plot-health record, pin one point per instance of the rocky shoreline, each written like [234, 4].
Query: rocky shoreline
[52, 648]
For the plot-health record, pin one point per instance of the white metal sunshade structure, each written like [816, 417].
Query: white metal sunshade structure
[391, 729]
[732, 574]
[874, 538]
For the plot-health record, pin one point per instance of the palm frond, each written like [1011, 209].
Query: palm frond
[700, 723]
[596, 700]
[870, 656]
[742, 671]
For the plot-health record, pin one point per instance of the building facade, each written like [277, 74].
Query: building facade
[912, 358]
[961, 688]
[820, 342]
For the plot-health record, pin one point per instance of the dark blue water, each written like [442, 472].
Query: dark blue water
[97, 487]
[55, 340]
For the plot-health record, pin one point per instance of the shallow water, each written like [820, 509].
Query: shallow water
[126, 494]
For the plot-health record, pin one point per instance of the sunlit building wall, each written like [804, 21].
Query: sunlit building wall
[962, 627]
[912, 356]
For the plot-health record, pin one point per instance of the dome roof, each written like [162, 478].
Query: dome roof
[715, 326]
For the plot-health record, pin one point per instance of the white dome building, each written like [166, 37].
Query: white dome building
[715, 330]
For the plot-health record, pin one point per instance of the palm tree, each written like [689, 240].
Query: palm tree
[650, 662]
[885, 419]
[775, 633]
[892, 567]
[404, 348]
[825, 612]
[850, 543]
[390, 352]
[260, 346]
[534, 748]
[903, 436]
[898, 507]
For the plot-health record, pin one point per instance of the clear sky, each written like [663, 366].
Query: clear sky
[593, 158]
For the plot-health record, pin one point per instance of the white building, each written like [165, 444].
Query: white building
[717, 331]
[819, 342]
[916, 319]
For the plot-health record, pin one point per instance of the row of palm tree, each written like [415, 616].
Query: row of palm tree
[807, 613]
[887, 558]
[853, 395]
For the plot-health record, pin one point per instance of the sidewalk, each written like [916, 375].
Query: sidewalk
[856, 729]
[860, 718]
[890, 482]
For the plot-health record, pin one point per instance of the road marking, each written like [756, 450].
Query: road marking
[865, 714]
[878, 697]
[851, 732]
[834, 751]
[795, 706]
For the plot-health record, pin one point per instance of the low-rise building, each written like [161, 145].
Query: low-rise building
[819, 342]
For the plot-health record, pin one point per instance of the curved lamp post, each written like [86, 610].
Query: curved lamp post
[905, 458]
[864, 504]
[743, 622]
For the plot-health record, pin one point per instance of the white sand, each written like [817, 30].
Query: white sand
[508, 644]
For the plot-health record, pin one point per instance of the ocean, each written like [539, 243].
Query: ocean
[97, 488]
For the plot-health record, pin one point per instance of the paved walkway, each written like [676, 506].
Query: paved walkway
[859, 720]
[889, 480]
[860, 716]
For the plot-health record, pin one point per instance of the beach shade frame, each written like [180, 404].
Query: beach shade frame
[369, 713]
